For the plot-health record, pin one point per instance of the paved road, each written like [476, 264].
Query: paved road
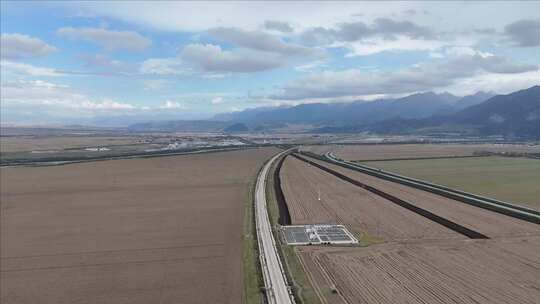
[274, 277]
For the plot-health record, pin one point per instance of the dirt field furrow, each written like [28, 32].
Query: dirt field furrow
[449, 271]
[483, 221]
[358, 209]
[159, 230]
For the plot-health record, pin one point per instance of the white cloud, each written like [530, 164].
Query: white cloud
[377, 45]
[500, 83]
[164, 66]
[249, 15]
[261, 41]
[310, 66]
[108, 39]
[103, 62]
[466, 50]
[172, 105]
[18, 46]
[217, 100]
[18, 68]
[43, 93]
[155, 84]
[212, 58]
[419, 77]
[106, 104]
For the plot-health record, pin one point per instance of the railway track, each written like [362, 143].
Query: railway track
[491, 204]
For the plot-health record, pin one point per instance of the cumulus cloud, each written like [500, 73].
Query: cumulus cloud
[524, 33]
[310, 66]
[18, 46]
[155, 84]
[376, 45]
[106, 104]
[172, 105]
[384, 28]
[104, 62]
[18, 68]
[43, 93]
[212, 58]
[420, 77]
[164, 66]
[260, 41]
[108, 39]
[217, 100]
[278, 26]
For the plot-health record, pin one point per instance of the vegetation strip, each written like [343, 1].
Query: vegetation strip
[440, 220]
[252, 268]
[508, 209]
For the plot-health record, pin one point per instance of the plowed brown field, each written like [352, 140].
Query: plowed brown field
[483, 221]
[434, 266]
[159, 230]
[450, 271]
[343, 203]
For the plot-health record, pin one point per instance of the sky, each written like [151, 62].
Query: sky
[115, 63]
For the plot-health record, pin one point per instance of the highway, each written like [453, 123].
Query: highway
[277, 289]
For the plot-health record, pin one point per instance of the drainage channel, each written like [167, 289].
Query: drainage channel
[425, 213]
[284, 215]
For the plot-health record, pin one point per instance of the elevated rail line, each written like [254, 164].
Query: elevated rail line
[275, 279]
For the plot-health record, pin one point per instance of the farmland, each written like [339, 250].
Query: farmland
[457, 271]
[342, 203]
[488, 223]
[396, 151]
[508, 179]
[49, 143]
[412, 259]
[165, 230]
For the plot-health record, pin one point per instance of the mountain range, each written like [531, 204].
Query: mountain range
[516, 114]
[414, 106]
[513, 115]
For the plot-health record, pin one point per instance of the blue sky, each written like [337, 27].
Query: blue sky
[96, 62]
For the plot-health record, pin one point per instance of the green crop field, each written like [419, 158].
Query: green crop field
[515, 180]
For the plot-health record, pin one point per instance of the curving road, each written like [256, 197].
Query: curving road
[277, 290]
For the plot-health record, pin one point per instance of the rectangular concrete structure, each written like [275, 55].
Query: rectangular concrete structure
[317, 234]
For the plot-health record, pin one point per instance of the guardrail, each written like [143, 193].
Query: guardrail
[505, 208]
